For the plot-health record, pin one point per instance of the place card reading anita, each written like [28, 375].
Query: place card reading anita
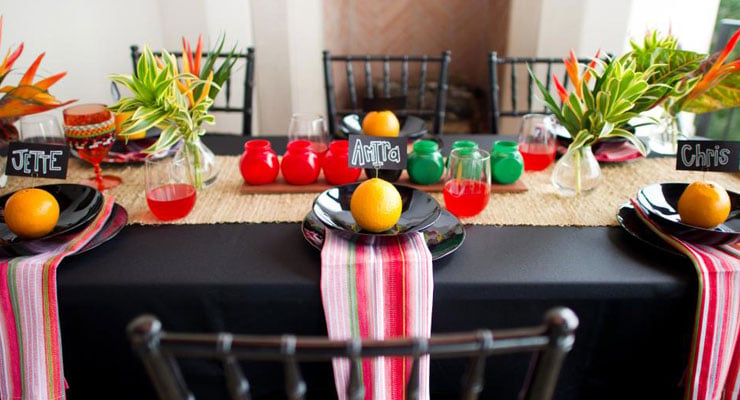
[708, 155]
[377, 152]
[37, 160]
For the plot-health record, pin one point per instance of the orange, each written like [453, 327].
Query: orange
[31, 213]
[704, 204]
[381, 123]
[121, 117]
[376, 205]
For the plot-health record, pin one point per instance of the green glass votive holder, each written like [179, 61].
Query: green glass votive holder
[507, 164]
[425, 163]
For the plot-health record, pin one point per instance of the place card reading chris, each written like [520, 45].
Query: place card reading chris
[37, 159]
[708, 155]
[377, 152]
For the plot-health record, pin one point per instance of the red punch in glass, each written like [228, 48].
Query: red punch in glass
[90, 130]
[170, 192]
[468, 182]
[537, 142]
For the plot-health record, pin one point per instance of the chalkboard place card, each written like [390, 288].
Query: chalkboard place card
[377, 152]
[708, 155]
[37, 159]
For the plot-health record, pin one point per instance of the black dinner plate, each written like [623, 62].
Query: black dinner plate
[443, 237]
[660, 200]
[332, 207]
[113, 225]
[631, 222]
[78, 204]
[412, 127]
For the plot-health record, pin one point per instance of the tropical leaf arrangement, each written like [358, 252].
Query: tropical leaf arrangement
[175, 100]
[689, 81]
[27, 97]
[603, 99]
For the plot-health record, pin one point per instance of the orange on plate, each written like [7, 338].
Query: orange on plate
[381, 123]
[376, 205]
[31, 213]
[704, 204]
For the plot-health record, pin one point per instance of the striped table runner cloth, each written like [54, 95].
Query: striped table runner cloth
[714, 365]
[30, 342]
[378, 289]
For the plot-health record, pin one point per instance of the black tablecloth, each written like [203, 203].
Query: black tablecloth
[636, 304]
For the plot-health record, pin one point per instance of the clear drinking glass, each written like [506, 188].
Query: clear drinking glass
[311, 127]
[170, 191]
[41, 128]
[467, 185]
[537, 141]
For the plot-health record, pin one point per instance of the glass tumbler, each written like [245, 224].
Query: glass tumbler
[170, 188]
[41, 128]
[537, 141]
[467, 185]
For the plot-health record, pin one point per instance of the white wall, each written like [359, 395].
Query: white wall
[551, 28]
[91, 39]
[288, 36]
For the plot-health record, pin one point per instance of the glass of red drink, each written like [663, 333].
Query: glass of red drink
[90, 131]
[170, 192]
[537, 141]
[467, 185]
[311, 127]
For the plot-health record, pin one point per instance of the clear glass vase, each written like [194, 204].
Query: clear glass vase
[577, 172]
[205, 165]
[666, 136]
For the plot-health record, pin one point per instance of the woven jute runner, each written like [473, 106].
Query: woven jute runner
[226, 202]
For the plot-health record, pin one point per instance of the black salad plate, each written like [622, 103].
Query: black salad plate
[412, 127]
[631, 222]
[332, 208]
[115, 223]
[78, 204]
[443, 237]
[660, 200]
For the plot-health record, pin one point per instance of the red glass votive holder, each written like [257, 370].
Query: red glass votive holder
[336, 164]
[300, 164]
[259, 164]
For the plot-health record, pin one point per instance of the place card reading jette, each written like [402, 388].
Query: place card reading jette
[377, 152]
[708, 155]
[37, 159]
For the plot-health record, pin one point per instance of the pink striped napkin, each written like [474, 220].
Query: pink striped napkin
[30, 341]
[379, 288]
[714, 366]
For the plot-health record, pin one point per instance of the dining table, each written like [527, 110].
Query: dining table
[636, 303]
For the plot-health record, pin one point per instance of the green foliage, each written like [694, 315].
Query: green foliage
[163, 97]
[603, 109]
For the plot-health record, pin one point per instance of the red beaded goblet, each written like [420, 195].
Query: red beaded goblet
[90, 130]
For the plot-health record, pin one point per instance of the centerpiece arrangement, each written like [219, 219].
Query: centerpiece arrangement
[594, 111]
[28, 97]
[685, 81]
[177, 101]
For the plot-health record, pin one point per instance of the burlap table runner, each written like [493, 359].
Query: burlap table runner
[224, 202]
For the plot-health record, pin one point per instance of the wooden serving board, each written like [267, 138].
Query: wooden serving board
[280, 186]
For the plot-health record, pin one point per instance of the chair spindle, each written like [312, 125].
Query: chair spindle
[236, 382]
[405, 76]
[474, 376]
[422, 82]
[351, 84]
[368, 78]
[355, 389]
[386, 77]
[514, 91]
[295, 387]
